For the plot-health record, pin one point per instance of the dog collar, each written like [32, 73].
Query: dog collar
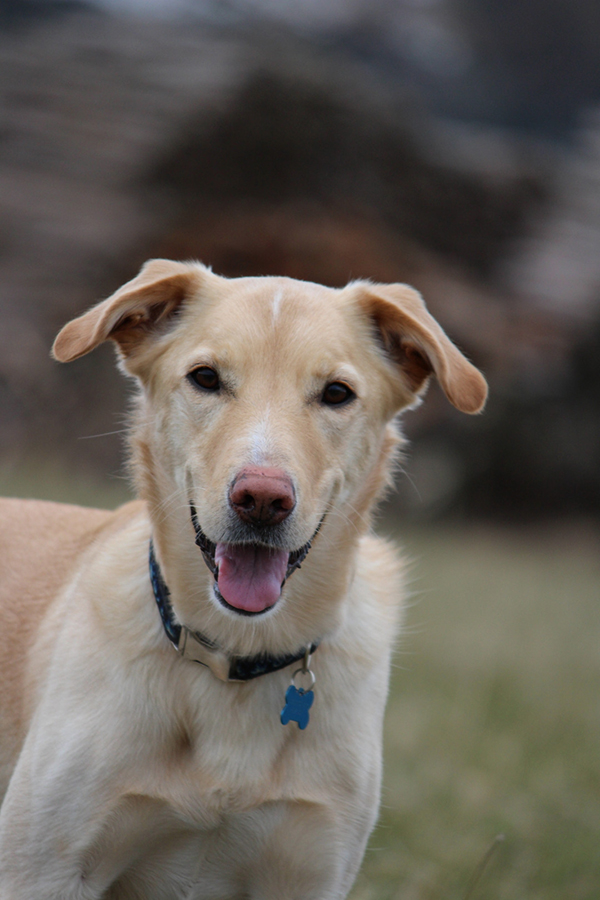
[197, 647]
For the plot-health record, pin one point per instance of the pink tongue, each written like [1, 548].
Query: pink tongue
[250, 577]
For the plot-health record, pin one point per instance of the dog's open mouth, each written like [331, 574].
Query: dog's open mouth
[249, 578]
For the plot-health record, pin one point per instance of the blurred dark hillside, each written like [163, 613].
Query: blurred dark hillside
[289, 138]
[530, 65]
[21, 13]
[536, 62]
[262, 148]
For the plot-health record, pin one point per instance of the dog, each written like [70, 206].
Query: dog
[192, 687]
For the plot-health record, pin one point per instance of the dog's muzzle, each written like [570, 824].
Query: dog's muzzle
[252, 575]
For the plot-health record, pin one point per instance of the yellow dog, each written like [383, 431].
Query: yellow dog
[149, 656]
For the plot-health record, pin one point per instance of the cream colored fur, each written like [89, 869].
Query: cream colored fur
[128, 772]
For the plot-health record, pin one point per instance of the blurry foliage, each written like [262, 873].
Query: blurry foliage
[536, 61]
[264, 152]
[534, 452]
[530, 65]
[285, 138]
[543, 452]
[20, 13]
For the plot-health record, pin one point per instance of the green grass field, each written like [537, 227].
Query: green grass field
[493, 724]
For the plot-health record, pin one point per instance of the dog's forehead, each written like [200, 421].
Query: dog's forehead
[275, 310]
[276, 300]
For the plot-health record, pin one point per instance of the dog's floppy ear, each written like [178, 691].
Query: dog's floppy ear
[132, 312]
[415, 341]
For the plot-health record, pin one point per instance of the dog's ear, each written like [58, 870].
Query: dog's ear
[132, 312]
[415, 341]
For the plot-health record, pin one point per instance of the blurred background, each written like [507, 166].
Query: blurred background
[451, 144]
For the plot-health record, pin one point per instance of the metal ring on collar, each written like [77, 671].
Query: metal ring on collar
[303, 671]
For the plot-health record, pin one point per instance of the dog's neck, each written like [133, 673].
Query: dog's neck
[192, 645]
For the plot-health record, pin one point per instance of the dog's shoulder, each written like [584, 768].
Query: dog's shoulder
[41, 545]
[44, 537]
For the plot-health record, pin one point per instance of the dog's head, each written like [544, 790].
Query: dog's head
[267, 404]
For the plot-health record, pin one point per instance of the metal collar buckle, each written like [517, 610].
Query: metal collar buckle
[193, 647]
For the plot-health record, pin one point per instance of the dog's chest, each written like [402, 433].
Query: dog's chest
[233, 755]
[218, 806]
[197, 863]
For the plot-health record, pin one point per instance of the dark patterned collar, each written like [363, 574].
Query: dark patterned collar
[198, 648]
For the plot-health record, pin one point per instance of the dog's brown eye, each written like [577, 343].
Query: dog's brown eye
[205, 377]
[337, 393]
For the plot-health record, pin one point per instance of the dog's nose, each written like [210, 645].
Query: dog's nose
[262, 496]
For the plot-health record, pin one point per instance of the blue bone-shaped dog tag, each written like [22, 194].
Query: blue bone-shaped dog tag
[297, 705]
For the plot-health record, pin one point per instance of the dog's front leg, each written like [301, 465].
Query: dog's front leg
[309, 852]
[67, 830]
[38, 856]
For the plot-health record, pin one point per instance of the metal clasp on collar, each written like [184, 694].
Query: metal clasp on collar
[191, 647]
[303, 673]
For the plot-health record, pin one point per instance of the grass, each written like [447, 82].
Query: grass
[493, 724]
[45, 480]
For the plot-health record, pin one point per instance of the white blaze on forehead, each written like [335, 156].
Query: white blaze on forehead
[259, 441]
[276, 304]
